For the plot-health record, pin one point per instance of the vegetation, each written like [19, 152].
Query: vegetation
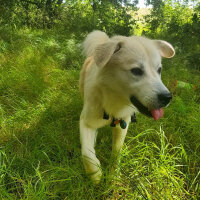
[40, 60]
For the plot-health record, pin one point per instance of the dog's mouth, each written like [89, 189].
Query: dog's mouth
[155, 113]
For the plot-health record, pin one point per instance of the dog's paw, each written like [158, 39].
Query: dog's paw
[96, 177]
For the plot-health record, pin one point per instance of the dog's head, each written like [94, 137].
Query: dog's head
[131, 66]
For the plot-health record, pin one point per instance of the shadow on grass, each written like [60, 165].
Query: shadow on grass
[46, 157]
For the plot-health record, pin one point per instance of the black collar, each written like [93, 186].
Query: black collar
[120, 121]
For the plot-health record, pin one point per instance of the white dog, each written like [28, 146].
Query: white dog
[120, 76]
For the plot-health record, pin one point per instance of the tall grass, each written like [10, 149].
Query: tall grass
[39, 135]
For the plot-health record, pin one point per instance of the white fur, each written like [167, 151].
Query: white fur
[106, 84]
[93, 39]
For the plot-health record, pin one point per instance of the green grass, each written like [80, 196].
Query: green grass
[39, 129]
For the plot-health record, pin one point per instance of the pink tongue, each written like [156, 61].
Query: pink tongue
[157, 114]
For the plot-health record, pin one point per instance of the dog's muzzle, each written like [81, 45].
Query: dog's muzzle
[163, 99]
[141, 108]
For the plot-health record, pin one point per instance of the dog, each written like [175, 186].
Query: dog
[120, 76]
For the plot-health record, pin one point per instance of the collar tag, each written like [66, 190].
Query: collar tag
[121, 122]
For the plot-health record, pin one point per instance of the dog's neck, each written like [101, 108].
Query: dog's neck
[116, 105]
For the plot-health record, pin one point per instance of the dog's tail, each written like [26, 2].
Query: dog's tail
[93, 39]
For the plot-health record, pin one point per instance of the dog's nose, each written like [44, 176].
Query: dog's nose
[164, 98]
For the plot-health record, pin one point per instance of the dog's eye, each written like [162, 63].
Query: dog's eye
[137, 71]
[159, 70]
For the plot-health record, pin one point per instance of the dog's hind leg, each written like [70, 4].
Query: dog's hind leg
[90, 161]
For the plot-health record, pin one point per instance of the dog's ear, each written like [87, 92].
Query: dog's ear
[165, 48]
[103, 52]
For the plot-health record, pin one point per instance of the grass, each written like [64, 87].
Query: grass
[39, 129]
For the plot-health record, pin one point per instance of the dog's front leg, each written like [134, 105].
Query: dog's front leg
[90, 161]
[118, 137]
